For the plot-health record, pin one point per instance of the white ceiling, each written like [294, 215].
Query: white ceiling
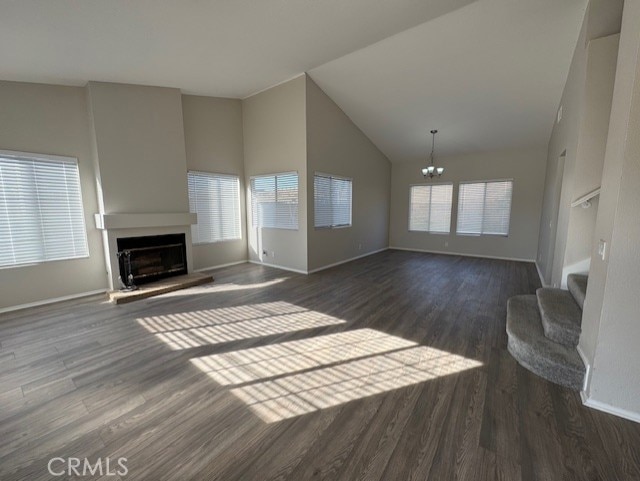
[225, 48]
[489, 76]
[487, 73]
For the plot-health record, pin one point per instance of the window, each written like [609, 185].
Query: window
[216, 200]
[430, 208]
[41, 216]
[332, 201]
[274, 201]
[484, 208]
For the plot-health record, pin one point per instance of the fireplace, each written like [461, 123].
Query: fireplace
[149, 258]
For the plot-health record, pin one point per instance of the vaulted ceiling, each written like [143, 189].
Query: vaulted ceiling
[487, 73]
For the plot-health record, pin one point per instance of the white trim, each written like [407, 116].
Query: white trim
[298, 271]
[542, 282]
[609, 409]
[587, 365]
[220, 266]
[517, 259]
[273, 86]
[15, 154]
[53, 300]
[328, 266]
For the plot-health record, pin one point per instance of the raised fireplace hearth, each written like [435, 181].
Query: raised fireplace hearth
[149, 258]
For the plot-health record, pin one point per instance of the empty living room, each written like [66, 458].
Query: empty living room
[329, 240]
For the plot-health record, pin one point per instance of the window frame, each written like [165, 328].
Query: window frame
[491, 234]
[331, 177]
[424, 184]
[275, 175]
[239, 204]
[33, 156]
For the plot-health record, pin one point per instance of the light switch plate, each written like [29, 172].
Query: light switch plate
[602, 249]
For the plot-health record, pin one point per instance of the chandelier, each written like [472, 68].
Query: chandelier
[431, 171]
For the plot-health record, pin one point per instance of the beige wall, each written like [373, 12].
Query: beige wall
[274, 126]
[611, 324]
[336, 146]
[51, 119]
[140, 145]
[213, 141]
[525, 167]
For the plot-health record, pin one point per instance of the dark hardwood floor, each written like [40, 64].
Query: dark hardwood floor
[392, 367]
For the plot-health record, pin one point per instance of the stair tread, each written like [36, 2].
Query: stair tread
[577, 285]
[560, 314]
[533, 350]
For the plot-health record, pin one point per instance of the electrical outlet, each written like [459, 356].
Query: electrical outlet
[360, 246]
[273, 253]
[446, 243]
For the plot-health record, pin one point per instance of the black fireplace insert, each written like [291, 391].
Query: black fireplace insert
[150, 258]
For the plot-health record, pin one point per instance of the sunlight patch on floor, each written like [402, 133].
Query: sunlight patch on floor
[253, 364]
[216, 287]
[186, 330]
[306, 392]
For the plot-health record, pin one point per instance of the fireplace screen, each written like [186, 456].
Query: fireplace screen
[149, 258]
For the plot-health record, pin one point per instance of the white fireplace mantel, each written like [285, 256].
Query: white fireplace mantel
[134, 221]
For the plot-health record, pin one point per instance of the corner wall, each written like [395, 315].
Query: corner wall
[275, 141]
[335, 145]
[525, 167]
[214, 143]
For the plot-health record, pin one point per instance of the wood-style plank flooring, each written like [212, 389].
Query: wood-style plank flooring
[392, 367]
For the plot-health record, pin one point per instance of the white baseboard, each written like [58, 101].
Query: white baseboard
[517, 259]
[542, 282]
[220, 266]
[609, 409]
[329, 266]
[290, 269]
[52, 300]
[587, 374]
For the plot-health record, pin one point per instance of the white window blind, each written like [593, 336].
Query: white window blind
[274, 201]
[216, 200]
[430, 208]
[484, 207]
[332, 201]
[41, 215]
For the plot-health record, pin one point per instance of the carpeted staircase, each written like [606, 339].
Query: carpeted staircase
[544, 330]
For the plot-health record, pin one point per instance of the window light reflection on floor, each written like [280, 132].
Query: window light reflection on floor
[186, 330]
[297, 394]
[288, 379]
[257, 363]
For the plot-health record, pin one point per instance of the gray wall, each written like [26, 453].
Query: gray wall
[213, 141]
[275, 133]
[525, 167]
[611, 324]
[336, 146]
[566, 232]
[52, 120]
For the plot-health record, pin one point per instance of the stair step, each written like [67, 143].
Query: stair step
[561, 316]
[533, 350]
[577, 285]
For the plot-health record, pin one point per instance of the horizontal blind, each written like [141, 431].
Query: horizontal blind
[332, 201]
[216, 200]
[485, 207]
[430, 208]
[274, 201]
[41, 214]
